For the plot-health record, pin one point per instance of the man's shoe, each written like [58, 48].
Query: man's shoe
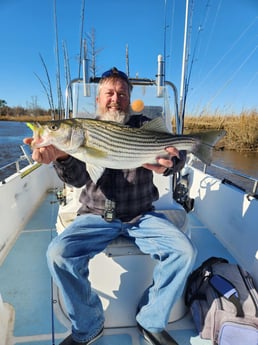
[159, 338]
[70, 341]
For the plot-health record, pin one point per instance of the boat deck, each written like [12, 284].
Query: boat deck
[26, 285]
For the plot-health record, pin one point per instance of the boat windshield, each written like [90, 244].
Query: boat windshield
[82, 103]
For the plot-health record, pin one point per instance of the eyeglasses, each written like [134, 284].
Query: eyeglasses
[114, 72]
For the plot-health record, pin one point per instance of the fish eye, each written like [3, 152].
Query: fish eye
[53, 126]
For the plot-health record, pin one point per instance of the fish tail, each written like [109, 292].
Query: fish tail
[207, 141]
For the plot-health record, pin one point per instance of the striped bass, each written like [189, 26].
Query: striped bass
[103, 144]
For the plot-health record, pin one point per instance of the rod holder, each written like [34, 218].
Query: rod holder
[160, 77]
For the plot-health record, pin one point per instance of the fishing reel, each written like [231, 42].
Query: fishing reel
[180, 194]
[60, 197]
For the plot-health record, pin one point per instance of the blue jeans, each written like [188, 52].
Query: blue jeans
[69, 254]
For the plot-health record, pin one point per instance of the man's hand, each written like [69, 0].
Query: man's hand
[163, 163]
[46, 154]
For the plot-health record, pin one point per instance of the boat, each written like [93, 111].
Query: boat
[220, 218]
[206, 202]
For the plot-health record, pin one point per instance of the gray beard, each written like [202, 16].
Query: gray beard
[116, 116]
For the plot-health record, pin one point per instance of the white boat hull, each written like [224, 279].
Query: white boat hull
[230, 214]
[222, 220]
[21, 194]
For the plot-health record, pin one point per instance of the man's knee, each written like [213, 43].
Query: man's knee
[55, 250]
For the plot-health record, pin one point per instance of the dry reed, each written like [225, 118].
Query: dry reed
[242, 129]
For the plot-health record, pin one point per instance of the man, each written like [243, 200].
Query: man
[119, 203]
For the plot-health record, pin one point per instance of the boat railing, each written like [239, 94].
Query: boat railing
[16, 165]
[236, 178]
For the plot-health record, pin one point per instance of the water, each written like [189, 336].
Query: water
[11, 137]
[12, 134]
[242, 162]
[246, 162]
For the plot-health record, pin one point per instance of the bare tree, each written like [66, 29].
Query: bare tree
[93, 51]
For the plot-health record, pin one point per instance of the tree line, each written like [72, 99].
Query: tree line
[8, 112]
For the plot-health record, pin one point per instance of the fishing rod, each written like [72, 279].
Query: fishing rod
[81, 38]
[67, 70]
[165, 39]
[58, 81]
[196, 44]
[182, 95]
[186, 70]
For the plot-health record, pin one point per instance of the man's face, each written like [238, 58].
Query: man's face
[114, 97]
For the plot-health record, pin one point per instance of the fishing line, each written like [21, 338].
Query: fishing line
[249, 83]
[207, 76]
[201, 28]
[165, 46]
[169, 36]
[197, 44]
[207, 46]
[165, 38]
[232, 76]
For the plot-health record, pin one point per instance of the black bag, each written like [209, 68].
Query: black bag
[223, 303]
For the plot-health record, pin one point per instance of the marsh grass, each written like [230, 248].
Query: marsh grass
[242, 129]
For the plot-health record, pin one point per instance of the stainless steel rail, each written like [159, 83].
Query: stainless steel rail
[16, 163]
[228, 176]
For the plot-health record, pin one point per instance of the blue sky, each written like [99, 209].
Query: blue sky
[223, 56]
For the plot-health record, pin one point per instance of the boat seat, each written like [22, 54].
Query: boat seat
[125, 245]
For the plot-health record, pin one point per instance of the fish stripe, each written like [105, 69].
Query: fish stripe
[99, 137]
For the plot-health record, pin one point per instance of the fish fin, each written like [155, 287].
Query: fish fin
[87, 153]
[207, 141]
[157, 125]
[94, 171]
[95, 153]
